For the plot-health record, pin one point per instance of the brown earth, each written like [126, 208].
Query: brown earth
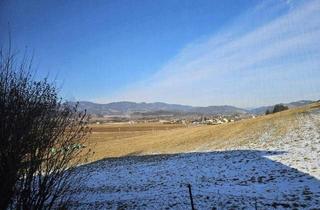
[115, 140]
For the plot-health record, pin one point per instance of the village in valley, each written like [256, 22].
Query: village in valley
[190, 120]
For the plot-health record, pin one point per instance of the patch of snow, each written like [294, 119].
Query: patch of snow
[282, 174]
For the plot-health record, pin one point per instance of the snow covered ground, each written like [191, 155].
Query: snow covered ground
[266, 174]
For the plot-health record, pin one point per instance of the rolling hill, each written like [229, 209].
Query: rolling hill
[267, 162]
[194, 138]
[128, 108]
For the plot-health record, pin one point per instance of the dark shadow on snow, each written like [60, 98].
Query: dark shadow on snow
[222, 179]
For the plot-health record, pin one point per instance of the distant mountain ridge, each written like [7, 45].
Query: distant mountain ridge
[127, 108]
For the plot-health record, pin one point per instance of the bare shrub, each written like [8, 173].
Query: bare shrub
[41, 139]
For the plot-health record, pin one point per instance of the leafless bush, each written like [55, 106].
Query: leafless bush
[41, 139]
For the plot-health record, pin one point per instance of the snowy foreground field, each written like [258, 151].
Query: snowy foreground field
[268, 173]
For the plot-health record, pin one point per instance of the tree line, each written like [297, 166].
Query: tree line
[277, 108]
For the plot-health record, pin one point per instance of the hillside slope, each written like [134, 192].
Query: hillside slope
[199, 138]
[271, 162]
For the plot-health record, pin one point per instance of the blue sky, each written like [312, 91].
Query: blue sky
[244, 53]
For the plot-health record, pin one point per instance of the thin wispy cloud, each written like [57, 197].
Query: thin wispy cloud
[270, 54]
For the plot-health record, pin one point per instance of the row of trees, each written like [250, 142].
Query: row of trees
[41, 139]
[277, 108]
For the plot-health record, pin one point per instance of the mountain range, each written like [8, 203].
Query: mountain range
[128, 108]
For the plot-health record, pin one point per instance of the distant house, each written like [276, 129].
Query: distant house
[131, 122]
[164, 121]
[219, 121]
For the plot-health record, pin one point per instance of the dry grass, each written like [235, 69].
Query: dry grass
[123, 140]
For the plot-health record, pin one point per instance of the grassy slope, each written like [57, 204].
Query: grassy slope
[193, 138]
